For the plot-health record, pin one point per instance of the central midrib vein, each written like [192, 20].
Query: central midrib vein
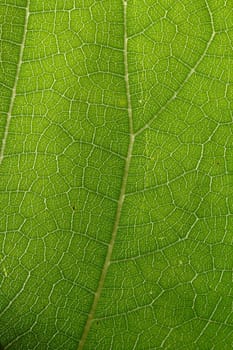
[122, 192]
[13, 95]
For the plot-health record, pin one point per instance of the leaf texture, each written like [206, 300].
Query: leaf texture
[116, 175]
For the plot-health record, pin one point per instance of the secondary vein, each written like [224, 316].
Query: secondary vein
[190, 74]
[13, 95]
[122, 192]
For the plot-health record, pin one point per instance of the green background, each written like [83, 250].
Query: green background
[63, 92]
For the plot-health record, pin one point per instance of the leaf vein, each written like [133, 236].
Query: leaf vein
[121, 196]
[13, 95]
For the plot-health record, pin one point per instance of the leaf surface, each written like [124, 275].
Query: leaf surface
[116, 175]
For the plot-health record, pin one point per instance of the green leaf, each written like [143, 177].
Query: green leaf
[116, 174]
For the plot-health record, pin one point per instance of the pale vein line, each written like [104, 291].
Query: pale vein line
[122, 192]
[209, 321]
[13, 95]
[173, 97]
